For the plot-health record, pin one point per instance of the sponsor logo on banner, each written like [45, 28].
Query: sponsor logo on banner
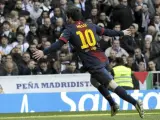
[47, 83]
[72, 101]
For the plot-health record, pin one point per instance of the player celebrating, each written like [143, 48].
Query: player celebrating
[83, 38]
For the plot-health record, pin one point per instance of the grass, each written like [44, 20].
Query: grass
[122, 115]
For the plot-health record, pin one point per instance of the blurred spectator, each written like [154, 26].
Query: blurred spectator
[122, 75]
[142, 16]
[6, 30]
[123, 14]
[124, 58]
[129, 43]
[157, 37]
[31, 69]
[59, 27]
[24, 24]
[9, 69]
[9, 59]
[116, 47]
[16, 50]
[35, 11]
[46, 29]
[147, 49]
[21, 41]
[155, 52]
[32, 48]
[27, 5]
[3, 11]
[104, 19]
[33, 33]
[57, 14]
[46, 5]
[62, 62]
[5, 48]
[152, 66]
[44, 67]
[117, 27]
[130, 64]
[63, 5]
[94, 15]
[148, 38]
[40, 20]
[71, 68]
[152, 31]
[14, 20]
[142, 67]
[140, 58]
[105, 42]
[112, 59]
[18, 7]
[157, 22]
[25, 60]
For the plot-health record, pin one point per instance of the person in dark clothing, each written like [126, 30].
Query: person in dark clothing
[44, 68]
[33, 33]
[71, 68]
[129, 43]
[122, 13]
[46, 29]
[31, 69]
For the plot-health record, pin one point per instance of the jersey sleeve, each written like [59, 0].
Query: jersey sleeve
[108, 32]
[65, 36]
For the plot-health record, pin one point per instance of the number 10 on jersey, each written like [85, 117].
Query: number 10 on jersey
[87, 38]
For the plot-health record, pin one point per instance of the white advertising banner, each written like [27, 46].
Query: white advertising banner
[46, 83]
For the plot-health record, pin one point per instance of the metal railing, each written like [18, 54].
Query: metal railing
[156, 79]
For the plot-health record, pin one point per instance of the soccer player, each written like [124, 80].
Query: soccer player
[83, 38]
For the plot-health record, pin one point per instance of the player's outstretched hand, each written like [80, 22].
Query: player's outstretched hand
[38, 54]
[127, 32]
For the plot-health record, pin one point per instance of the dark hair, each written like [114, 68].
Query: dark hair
[20, 33]
[6, 22]
[116, 23]
[74, 13]
[4, 36]
[119, 61]
[42, 61]
[33, 25]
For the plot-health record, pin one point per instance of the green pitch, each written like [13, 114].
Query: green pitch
[122, 115]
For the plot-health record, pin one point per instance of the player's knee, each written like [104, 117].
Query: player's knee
[112, 85]
[95, 83]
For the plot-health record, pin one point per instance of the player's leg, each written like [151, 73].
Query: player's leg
[121, 92]
[105, 92]
[103, 76]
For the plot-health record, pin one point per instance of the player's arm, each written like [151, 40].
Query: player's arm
[54, 47]
[111, 33]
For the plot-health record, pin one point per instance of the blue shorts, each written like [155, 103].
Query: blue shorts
[101, 75]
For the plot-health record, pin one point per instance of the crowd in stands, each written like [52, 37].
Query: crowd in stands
[28, 25]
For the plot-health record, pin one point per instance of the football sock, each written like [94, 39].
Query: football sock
[105, 92]
[121, 92]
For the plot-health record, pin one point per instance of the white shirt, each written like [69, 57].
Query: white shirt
[6, 33]
[157, 26]
[44, 8]
[120, 52]
[24, 46]
[6, 50]
[35, 14]
[27, 7]
[26, 30]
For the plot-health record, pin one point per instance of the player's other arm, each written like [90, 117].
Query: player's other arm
[111, 33]
[54, 47]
